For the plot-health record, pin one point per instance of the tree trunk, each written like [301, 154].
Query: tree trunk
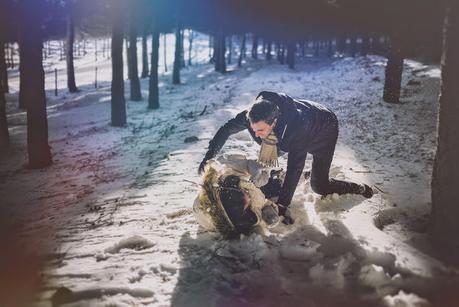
[269, 56]
[22, 76]
[136, 94]
[376, 47]
[291, 46]
[177, 56]
[341, 44]
[33, 79]
[281, 53]
[220, 62]
[128, 58]
[230, 48]
[445, 209]
[3, 70]
[211, 44]
[4, 135]
[144, 56]
[353, 46]
[153, 96]
[393, 73]
[255, 47]
[165, 51]
[365, 45]
[316, 48]
[71, 85]
[182, 49]
[12, 56]
[242, 51]
[190, 45]
[330, 48]
[118, 103]
[214, 49]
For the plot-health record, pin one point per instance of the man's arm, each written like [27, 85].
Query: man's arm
[234, 125]
[295, 164]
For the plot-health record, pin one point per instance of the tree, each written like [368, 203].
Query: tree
[230, 48]
[153, 96]
[182, 49]
[71, 85]
[393, 72]
[255, 47]
[4, 135]
[190, 45]
[219, 52]
[3, 68]
[145, 71]
[177, 55]
[33, 81]
[118, 103]
[128, 58]
[136, 94]
[242, 51]
[376, 47]
[365, 45]
[353, 45]
[165, 51]
[291, 49]
[269, 56]
[445, 211]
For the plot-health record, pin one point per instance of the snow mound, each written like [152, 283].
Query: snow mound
[299, 253]
[403, 299]
[374, 276]
[134, 242]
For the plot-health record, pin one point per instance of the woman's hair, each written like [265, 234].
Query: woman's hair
[263, 110]
[232, 199]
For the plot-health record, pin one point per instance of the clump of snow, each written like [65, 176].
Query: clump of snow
[374, 276]
[403, 299]
[332, 274]
[101, 256]
[301, 252]
[135, 242]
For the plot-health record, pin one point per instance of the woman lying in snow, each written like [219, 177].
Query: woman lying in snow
[230, 201]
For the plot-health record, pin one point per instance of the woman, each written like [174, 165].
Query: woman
[230, 202]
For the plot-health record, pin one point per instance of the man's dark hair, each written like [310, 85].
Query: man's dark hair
[263, 110]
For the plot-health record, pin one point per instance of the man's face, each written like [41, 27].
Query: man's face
[262, 129]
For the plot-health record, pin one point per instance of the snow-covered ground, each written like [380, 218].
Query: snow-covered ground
[111, 218]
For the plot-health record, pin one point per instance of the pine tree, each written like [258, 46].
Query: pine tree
[118, 103]
[33, 80]
[153, 96]
[136, 94]
[445, 211]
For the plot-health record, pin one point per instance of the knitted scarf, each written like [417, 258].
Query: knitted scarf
[268, 151]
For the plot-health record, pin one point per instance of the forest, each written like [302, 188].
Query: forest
[107, 108]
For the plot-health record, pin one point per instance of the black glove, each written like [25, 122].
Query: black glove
[285, 212]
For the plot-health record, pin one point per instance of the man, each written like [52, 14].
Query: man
[279, 122]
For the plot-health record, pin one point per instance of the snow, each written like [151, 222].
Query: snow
[112, 216]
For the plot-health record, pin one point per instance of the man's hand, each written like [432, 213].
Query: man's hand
[201, 166]
[285, 212]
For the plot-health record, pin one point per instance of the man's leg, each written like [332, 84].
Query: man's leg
[323, 185]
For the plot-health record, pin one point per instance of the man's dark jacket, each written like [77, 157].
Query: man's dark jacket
[302, 126]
